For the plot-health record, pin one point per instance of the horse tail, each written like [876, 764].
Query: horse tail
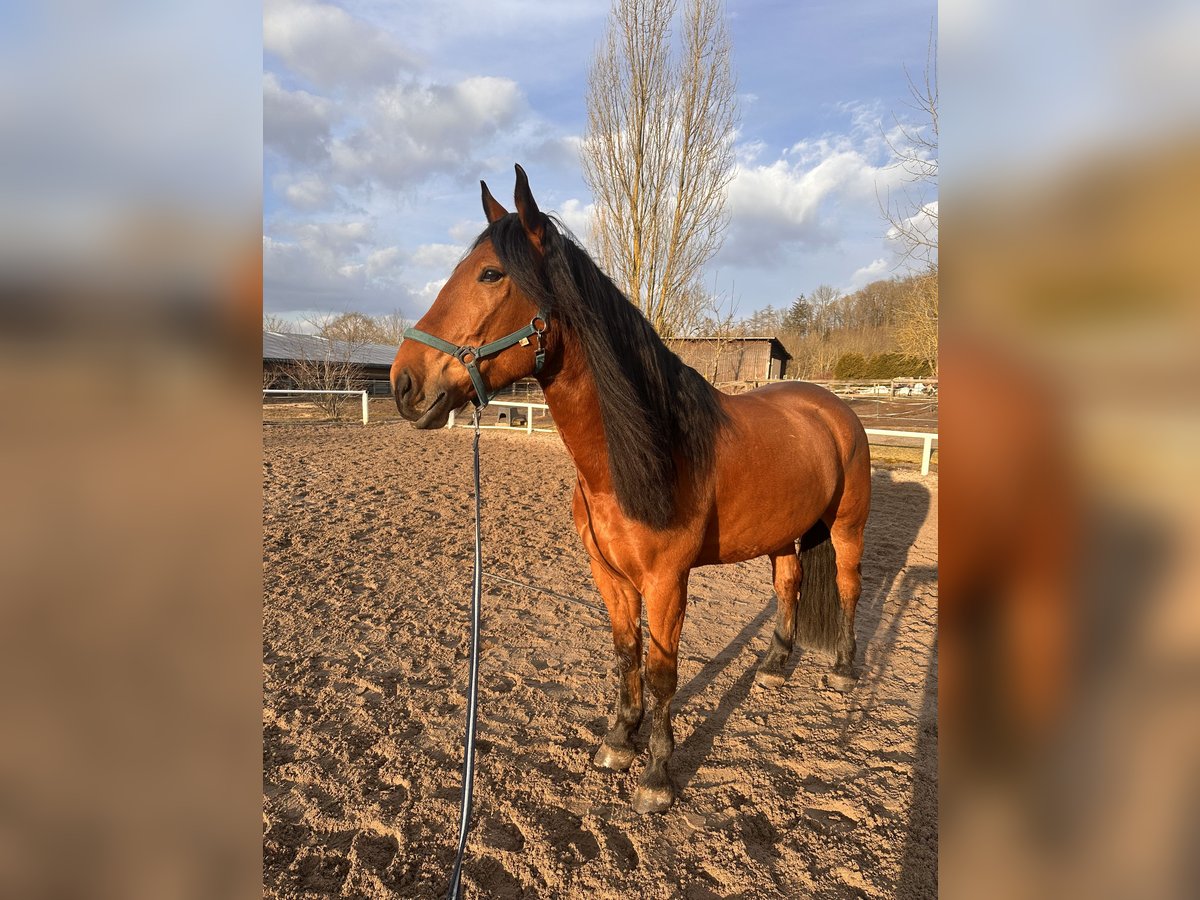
[819, 608]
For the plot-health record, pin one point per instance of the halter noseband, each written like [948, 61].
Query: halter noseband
[469, 356]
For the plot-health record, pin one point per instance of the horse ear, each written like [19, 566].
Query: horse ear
[491, 208]
[531, 218]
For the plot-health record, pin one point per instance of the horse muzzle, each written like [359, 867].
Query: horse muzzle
[426, 408]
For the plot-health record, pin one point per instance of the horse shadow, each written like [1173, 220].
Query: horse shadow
[696, 749]
[899, 509]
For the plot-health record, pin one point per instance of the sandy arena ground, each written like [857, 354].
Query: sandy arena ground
[794, 792]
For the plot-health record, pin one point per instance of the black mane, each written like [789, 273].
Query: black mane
[651, 404]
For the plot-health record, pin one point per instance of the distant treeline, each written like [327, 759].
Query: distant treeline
[865, 334]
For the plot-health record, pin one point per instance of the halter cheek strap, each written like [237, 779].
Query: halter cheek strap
[469, 356]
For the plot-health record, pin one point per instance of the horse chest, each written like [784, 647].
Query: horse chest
[634, 550]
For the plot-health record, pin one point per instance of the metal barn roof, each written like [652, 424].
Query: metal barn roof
[284, 347]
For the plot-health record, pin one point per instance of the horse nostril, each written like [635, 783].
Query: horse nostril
[402, 386]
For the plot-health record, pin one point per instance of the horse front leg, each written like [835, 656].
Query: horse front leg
[625, 613]
[665, 605]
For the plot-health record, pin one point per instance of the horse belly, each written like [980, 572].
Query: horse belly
[754, 516]
[779, 470]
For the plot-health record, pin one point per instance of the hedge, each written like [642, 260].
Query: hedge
[856, 367]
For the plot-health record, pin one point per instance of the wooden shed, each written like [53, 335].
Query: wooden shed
[726, 359]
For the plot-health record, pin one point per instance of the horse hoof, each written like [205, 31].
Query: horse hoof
[769, 679]
[841, 681]
[613, 758]
[652, 799]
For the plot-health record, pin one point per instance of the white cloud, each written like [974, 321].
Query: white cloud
[921, 226]
[771, 207]
[437, 256]
[354, 128]
[328, 237]
[466, 230]
[817, 191]
[873, 271]
[749, 152]
[330, 48]
[301, 276]
[556, 152]
[415, 130]
[332, 266]
[577, 216]
[429, 293]
[384, 263]
[295, 123]
[309, 192]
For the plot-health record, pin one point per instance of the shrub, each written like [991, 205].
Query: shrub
[880, 366]
[850, 366]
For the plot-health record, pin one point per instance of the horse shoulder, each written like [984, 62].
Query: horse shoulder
[634, 550]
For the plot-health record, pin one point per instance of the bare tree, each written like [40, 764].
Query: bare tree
[724, 327]
[324, 359]
[390, 328]
[351, 327]
[694, 312]
[824, 295]
[714, 326]
[917, 333]
[913, 218]
[324, 363]
[358, 328]
[277, 324]
[911, 215]
[658, 154]
[827, 313]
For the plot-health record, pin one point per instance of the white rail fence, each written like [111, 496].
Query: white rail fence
[528, 407]
[365, 405]
[927, 438]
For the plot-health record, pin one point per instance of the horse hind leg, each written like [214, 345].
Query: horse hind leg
[847, 540]
[787, 574]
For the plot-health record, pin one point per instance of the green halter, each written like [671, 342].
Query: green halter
[469, 356]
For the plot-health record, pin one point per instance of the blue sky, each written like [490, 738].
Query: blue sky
[380, 119]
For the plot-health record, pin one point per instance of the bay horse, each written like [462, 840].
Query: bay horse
[672, 473]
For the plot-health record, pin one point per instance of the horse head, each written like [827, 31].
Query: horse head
[483, 331]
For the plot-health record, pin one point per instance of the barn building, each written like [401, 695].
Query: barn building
[300, 360]
[726, 359]
[306, 360]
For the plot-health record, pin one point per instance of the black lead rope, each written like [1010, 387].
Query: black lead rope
[470, 356]
[464, 823]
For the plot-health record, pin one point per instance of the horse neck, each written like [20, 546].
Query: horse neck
[574, 402]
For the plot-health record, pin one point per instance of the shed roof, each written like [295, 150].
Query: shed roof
[284, 347]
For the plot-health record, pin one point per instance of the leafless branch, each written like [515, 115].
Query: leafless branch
[911, 216]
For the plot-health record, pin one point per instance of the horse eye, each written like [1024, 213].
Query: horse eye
[490, 276]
